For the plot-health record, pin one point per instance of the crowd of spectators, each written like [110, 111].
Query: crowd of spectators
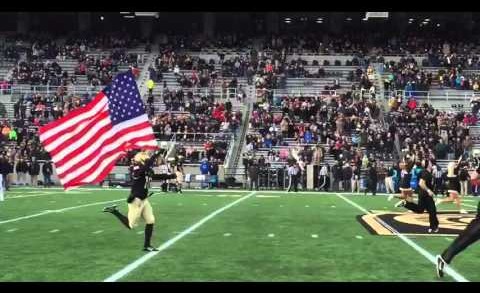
[40, 109]
[40, 73]
[340, 123]
[408, 76]
[344, 126]
[203, 118]
[457, 78]
[427, 133]
[211, 151]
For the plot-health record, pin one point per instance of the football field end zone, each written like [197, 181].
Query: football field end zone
[449, 270]
[137, 263]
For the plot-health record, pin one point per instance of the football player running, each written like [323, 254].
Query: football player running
[138, 204]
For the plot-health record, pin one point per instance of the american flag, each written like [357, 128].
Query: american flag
[86, 143]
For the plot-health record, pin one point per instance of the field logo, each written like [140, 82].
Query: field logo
[451, 223]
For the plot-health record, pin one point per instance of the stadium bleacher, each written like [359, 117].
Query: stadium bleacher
[186, 78]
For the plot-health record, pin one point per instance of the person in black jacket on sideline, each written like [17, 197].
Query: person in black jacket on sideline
[253, 175]
[21, 169]
[34, 170]
[5, 169]
[372, 178]
[47, 171]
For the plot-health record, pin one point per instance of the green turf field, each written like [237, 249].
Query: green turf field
[50, 235]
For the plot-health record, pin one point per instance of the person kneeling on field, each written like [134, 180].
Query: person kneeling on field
[138, 204]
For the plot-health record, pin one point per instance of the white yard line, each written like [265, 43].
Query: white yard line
[137, 263]
[205, 191]
[468, 205]
[449, 270]
[59, 211]
[33, 195]
[42, 193]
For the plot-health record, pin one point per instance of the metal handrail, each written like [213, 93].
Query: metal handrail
[447, 95]
[298, 92]
[214, 135]
[47, 89]
[223, 93]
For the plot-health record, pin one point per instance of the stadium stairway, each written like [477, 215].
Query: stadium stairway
[5, 69]
[145, 75]
[6, 106]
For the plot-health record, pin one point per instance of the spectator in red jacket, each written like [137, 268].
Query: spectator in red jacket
[412, 104]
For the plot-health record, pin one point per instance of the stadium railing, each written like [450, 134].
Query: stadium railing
[437, 95]
[296, 92]
[46, 89]
[217, 92]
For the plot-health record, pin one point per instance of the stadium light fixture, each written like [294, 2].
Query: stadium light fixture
[376, 15]
[124, 12]
[427, 19]
[149, 14]
[288, 21]
[438, 25]
[410, 19]
[102, 18]
[129, 16]
[319, 21]
[348, 19]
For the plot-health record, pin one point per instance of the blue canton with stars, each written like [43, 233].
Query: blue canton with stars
[124, 100]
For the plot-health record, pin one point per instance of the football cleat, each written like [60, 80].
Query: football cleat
[110, 209]
[430, 230]
[440, 266]
[149, 249]
[400, 204]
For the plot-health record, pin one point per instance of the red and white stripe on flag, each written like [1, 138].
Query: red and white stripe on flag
[84, 144]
